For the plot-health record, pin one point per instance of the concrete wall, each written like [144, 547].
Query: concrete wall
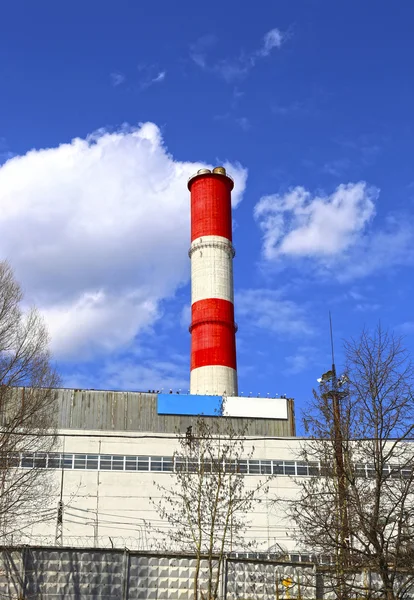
[108, 507]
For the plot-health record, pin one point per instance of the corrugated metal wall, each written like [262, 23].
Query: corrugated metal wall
[137, 411]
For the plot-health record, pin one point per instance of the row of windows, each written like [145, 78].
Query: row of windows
[118, 462]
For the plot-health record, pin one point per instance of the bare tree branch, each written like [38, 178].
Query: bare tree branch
[27, 407]
[375, 505]
[207, 503]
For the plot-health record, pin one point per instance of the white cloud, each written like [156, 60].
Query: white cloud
[233, 69]
[142, 375]
[185, 317]
[117, 79]
[332, 231]
[268, 310]
[301, 360]
[151, 80]
[299, 224]
[367, 306]
[272, 39]
[160, 77]
[97, 231]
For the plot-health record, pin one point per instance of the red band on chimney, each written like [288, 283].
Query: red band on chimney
[213, 343]
[212, 310]
[211, 207]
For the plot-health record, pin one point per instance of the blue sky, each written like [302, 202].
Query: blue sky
[106, 108]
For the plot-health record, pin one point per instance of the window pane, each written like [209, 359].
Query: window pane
[242, 466]
[27, 461]
[156, 463]
[395, 471]
[265, 466]
[313, 468]
[53, 461]
[105, 462]
[40, 460]
[207, 466]
[217, 466]
[131, 463]
[289, 467]
[302, 469]
[117, 462]
[167, 463]
[231, 466]
[143, 463]
[278, 468]
[92, 461]
[80, 461]
[67, 461]
[179, 464]
[254, 466]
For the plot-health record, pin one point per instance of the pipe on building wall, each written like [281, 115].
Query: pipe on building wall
[213, 340]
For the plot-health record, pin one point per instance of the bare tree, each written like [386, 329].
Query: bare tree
[358, 507]
[27, 409]
[206, 506]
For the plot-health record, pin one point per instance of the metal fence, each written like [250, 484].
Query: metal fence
[34, 573]
[84, 574]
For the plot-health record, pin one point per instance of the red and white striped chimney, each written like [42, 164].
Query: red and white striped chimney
[213, 340]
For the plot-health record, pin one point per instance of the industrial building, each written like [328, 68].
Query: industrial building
[114, 447]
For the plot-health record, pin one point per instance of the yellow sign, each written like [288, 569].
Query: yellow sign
[287, 582]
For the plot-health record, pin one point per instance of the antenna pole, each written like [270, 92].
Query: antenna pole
[332, 344]
[343, 556]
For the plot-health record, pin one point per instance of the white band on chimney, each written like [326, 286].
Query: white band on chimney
[214, 380]
[211, 268]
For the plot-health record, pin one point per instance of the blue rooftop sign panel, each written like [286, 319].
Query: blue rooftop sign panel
[188, 404]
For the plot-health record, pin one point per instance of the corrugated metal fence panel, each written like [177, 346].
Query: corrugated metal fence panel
[263, 580]
[73, 574]
[11, 573]
[89, 574]
[136, 411]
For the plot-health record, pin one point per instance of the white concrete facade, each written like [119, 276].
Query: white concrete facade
[104, 507]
